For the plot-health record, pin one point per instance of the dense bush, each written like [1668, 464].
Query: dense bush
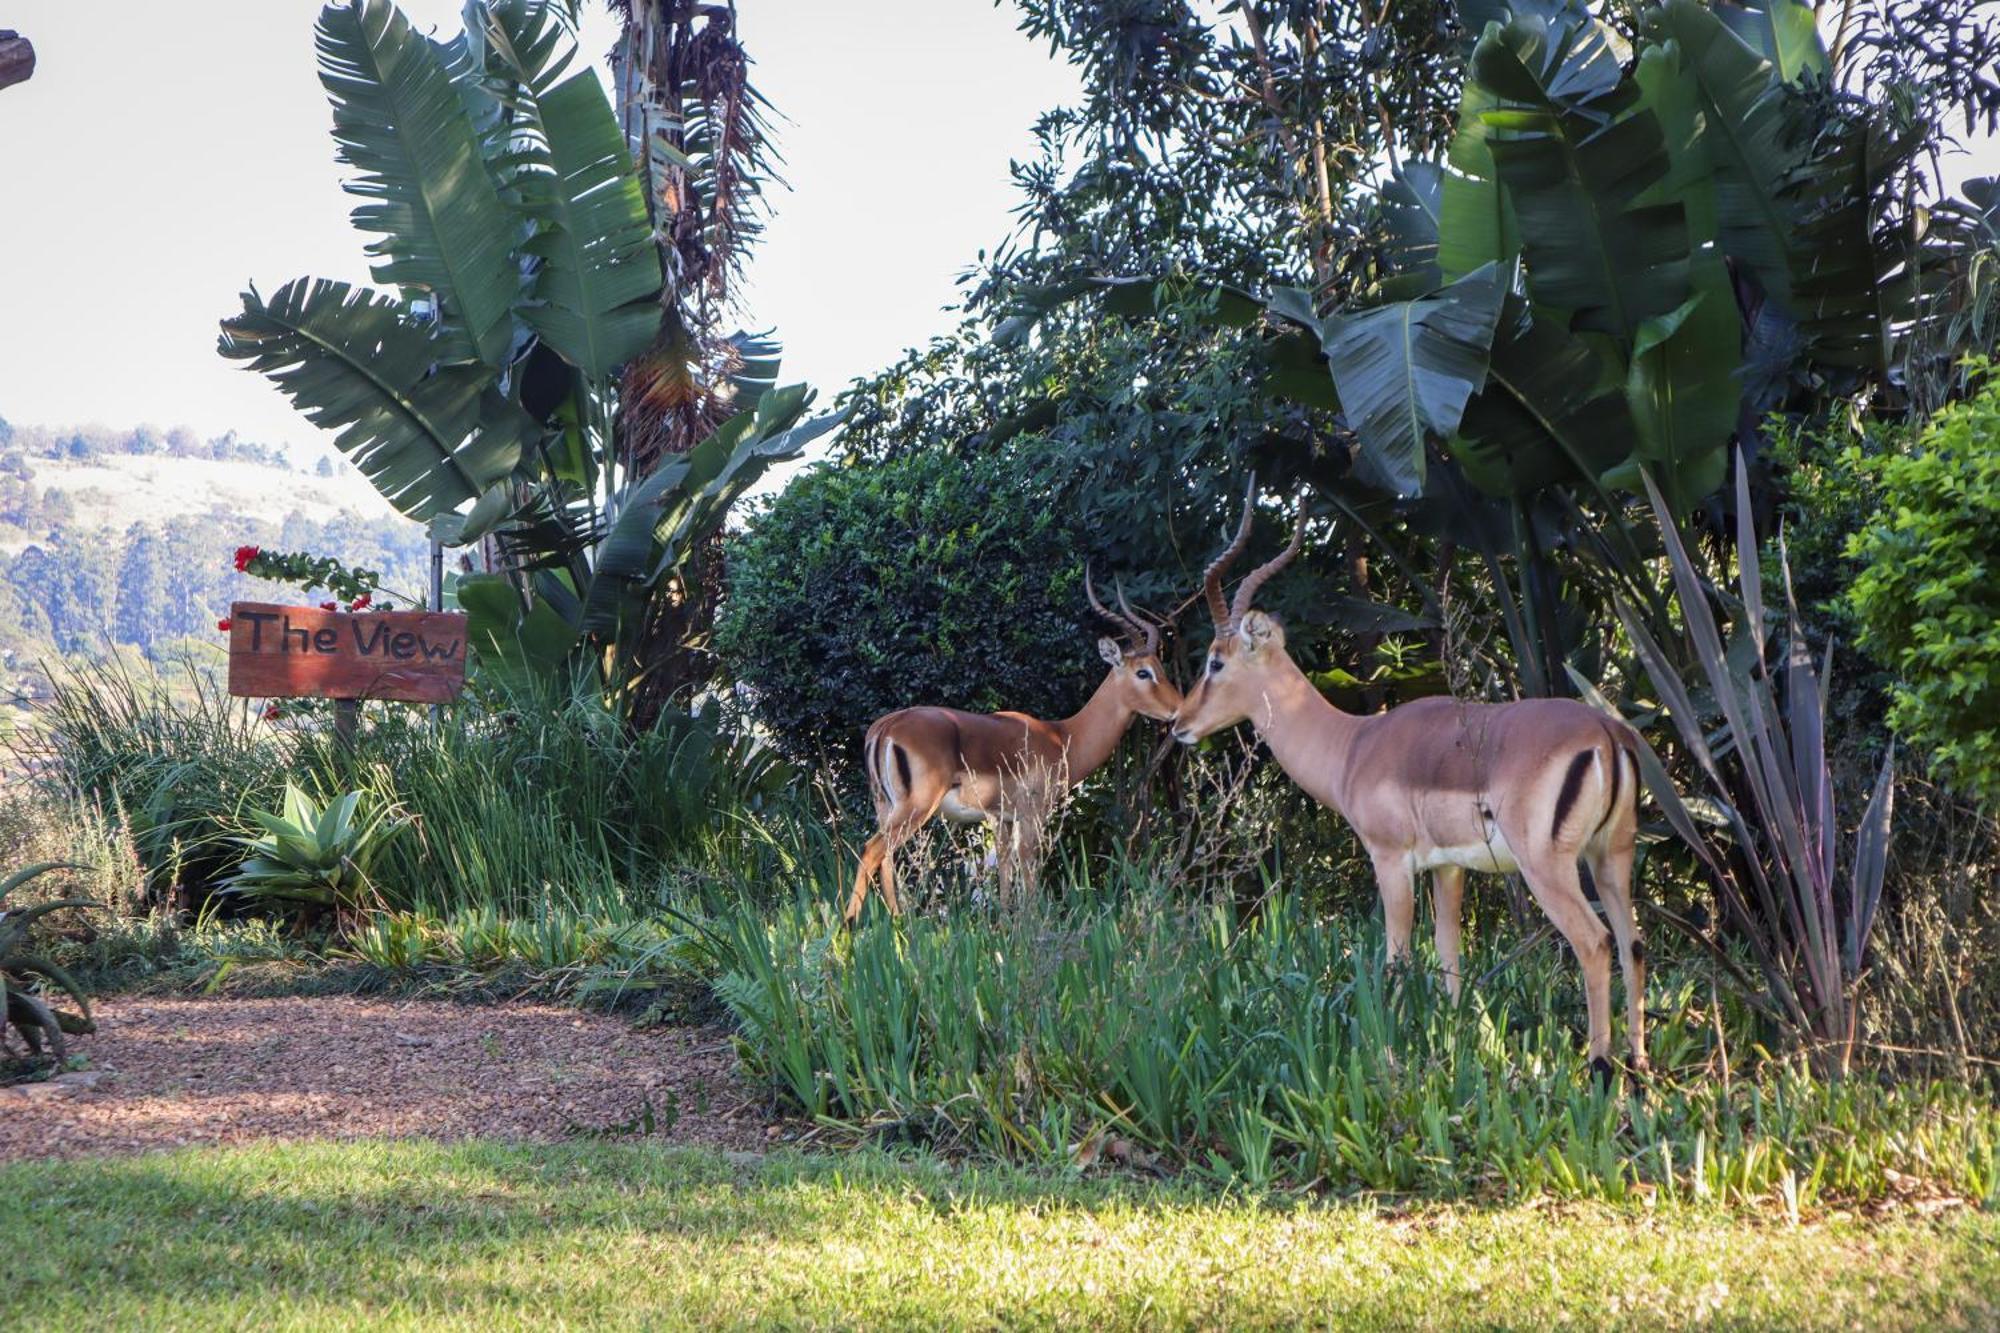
[929, 579]
[1927, 601]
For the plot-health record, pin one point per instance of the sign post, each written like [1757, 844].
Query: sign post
[299, 652]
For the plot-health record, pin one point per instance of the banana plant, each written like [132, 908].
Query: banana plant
[478, 386]
[21, 1008]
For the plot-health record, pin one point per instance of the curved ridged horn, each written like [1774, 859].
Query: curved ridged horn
[1211, 579]
[1145, 623]
[1134, 632]
[1256, 577]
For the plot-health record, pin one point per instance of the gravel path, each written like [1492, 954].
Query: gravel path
[167, 1072]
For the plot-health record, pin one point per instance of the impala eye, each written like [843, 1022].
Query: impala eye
[1144, 673]
[1214, 665]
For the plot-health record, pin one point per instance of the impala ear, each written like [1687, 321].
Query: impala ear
[1109, 650]
[1262, 631]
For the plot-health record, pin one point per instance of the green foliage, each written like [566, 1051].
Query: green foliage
[932, 578]
[482, 393]
[21, 1007]
[311, 854]
[1267, 1049]
[1804, 911]
[1926, 600]
[501, 1233]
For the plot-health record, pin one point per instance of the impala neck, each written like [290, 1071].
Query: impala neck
[1093, 732]
[1308, 736]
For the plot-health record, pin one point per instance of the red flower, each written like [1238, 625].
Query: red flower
[223, 625]
[244, 555]
[329, 606]
[272, 712]
[361, 601]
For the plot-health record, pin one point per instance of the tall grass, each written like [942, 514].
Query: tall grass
[1269, 1049]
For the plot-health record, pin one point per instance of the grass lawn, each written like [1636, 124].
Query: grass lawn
[489, 1235]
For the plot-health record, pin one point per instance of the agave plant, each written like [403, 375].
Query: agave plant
[316, 857]
[28, 1013]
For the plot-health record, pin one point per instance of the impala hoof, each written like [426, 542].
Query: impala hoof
[1600, 1069]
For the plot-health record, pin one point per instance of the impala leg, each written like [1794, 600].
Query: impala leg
[1611, 869]
[1399, 903]
[1557, 886]
[1447, 898]
[878, 854]
[875, 853]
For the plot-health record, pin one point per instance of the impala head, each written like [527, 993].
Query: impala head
[1248, 643]
[1134, 658]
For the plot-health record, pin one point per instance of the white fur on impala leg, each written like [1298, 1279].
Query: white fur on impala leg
[1541, 786]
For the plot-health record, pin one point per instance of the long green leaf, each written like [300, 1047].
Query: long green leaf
[429, 437]
[401, 124]
[1545, 415]
[1746, 133]
[1784, 32]
[1574, 167]
[592, 298]
[1406, 370]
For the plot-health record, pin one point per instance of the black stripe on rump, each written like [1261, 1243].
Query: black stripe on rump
[902, 765]
[1572, 788]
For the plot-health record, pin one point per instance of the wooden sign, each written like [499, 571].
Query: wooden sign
[298, 652]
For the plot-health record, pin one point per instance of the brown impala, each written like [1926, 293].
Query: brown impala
[1535, 786]
[1007, 769]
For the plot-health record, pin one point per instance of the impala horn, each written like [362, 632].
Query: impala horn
[1211, 579]
[1256, 578]
[1136, 631]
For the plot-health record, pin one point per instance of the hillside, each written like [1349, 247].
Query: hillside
[124, 539]
[115, 491]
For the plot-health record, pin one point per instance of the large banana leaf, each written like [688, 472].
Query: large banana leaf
[401, 123]
[1684, 393]
[592, 298]
[1746, 131]
[1574, 157]
[1475, 226]
[1784, 32]
[1546, 414]
[429, 437]
[1409, 202]
[663, 518]
[1853, 285]
[1405, 370]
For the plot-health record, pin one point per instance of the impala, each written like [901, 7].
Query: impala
[1005, 769]
[1537, 786]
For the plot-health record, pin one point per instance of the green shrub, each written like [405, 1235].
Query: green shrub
[1927, 600]
[929, 579]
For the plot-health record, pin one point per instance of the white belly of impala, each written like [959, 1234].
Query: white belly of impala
[1493, 856]
[958, 813]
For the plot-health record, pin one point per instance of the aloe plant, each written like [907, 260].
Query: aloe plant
[1804, 912]
[314, 856]
[32, 1015]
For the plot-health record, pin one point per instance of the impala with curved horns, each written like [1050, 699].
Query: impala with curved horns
[1537, 786]
[1006, 769]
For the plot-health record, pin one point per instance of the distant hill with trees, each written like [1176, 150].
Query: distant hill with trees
[123, 538]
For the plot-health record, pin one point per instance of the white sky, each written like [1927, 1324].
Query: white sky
[165, 153]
